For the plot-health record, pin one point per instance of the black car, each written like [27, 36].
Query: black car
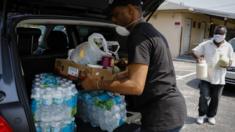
[25, 26]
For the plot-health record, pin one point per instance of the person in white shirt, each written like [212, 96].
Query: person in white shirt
[212, 51]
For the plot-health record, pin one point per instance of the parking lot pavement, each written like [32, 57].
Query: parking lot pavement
[187, 83]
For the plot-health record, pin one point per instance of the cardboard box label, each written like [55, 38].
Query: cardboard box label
[73, 71]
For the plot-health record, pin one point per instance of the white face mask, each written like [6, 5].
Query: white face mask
[218, 38]
[122, 31]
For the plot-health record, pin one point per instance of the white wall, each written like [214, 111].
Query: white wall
[165, 23]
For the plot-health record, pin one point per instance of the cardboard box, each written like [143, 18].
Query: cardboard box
[73, 71]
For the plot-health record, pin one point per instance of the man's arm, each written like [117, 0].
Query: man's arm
[197, 57]
[198, 52]
[132, 85]
[121, 75]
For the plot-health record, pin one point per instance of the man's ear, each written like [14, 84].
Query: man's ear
[131, 9]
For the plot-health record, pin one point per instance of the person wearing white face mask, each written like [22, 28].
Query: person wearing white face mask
[218, 38]
[214, 52]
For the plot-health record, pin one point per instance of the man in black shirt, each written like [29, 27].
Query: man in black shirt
[150, 75]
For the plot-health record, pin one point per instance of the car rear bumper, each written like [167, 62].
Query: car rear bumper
[230, 77]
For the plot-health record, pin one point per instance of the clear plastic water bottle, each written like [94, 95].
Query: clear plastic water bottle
[74, 126]
[55, 113]
[67, 126]
[38, 127]
[74, 93]
[35, 100]
[37, 76]
[46, 127]
[37, 115]
[67, 83]
[55, 126]
[64, 85]
[46, 113]
[36, 84]
[69, 100]
[58, 97]
[103, 109]
[54, 102]
[47, 99]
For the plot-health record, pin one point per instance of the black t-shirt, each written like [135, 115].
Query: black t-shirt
[162, 105]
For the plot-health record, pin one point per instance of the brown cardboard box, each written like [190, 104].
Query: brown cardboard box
[73, 71]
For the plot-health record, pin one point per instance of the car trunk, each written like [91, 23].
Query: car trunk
[27, 36]
[31, 39]
[52, 13]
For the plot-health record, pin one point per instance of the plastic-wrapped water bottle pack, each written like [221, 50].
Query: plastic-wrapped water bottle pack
[102, 109]
[53, 103]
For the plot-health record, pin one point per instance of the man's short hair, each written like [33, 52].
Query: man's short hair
[116, 3]
[221, 28]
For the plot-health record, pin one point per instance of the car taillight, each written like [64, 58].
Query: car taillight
[4, 126]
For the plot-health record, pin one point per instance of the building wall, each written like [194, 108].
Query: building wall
[197, 31]
[171, 24]
[165, 23]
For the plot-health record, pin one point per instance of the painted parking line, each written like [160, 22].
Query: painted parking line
[184, 70]
[187, 75]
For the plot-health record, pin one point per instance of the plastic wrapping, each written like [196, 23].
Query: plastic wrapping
[92, 51]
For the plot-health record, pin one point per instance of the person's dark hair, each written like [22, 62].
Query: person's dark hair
[220, 29]
[137, 3]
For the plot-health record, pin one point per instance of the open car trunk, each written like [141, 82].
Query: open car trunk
[32, 36]
[38, 54]
[26, 36]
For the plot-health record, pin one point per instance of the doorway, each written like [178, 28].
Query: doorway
[186, 35]
[202, 32]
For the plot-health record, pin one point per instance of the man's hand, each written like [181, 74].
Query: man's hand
[224, 67]
[120, 75]
[199, 60]
[229, 65]
[131, 82]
